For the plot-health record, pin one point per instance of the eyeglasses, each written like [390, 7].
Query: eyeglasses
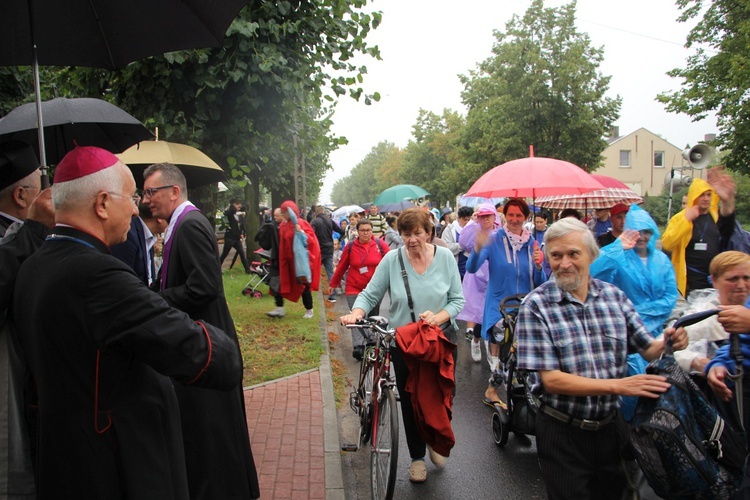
[148, 193]
[32, 187]
[136, 199]
[365, 230]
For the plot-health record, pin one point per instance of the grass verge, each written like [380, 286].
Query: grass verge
[271, 348]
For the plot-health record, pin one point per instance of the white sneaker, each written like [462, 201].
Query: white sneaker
[308, 314]
[476, 351]
[279, 312]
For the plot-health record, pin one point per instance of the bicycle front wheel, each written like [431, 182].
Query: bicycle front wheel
[384, 455]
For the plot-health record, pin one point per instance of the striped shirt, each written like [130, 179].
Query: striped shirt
[555, 331]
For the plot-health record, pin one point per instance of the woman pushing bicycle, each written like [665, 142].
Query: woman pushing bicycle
[434, 284]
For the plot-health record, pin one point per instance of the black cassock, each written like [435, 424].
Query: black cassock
[217, 446]
[101, 347]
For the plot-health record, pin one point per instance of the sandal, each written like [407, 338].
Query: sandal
[418, 472]
[495, 404]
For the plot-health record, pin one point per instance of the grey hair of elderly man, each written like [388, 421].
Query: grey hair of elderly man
[564, 227]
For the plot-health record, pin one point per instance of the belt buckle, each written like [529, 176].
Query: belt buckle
[589, 425]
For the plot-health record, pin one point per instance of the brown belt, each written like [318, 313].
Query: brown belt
[583, 424]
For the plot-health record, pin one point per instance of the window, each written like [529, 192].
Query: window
[658, 159]
[625, 158]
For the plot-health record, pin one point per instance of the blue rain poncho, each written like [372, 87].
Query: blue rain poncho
[652, 287]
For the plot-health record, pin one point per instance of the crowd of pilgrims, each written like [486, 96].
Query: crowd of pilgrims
[437, 266]
[499, 251]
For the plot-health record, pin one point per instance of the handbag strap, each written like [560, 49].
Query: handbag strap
[406, 285]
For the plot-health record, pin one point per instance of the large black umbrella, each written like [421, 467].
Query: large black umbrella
[88, 122]
[105, 33]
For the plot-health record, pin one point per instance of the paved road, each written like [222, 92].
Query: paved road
[477, 468]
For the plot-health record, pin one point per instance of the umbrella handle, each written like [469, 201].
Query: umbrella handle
[45, 178]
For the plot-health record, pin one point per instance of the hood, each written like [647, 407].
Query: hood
[698, 187]
[640, 220]
[290, 204]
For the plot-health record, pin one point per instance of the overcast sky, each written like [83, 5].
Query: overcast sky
[425, 44]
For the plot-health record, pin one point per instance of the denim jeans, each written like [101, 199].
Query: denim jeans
[327, 262]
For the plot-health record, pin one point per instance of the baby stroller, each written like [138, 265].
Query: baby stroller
[520, 415]
[260, 274]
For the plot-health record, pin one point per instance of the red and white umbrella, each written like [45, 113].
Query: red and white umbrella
[614, 192]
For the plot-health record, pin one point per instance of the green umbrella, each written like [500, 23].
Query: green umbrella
[400, 193]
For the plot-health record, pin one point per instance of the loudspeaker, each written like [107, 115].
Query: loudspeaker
[699, 156]
[680, 180]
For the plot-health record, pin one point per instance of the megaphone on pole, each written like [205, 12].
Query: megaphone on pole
[679, 180]
[699, 156]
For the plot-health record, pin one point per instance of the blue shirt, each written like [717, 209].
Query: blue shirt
[555, 331]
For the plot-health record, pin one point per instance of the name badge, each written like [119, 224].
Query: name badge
[700, 247]
[363, 270]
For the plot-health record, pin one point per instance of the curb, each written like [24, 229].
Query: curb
[331, 440]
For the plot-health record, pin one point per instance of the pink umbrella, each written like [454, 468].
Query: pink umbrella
[534, 177]
[614, 192]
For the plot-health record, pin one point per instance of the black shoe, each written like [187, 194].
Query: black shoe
[358, 352]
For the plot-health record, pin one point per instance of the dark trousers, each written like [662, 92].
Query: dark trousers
[307, 299]
[237, 245]
[578, 464]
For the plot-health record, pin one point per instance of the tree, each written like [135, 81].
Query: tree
[541, 87]
[433, 160]
[274, 83]
[717, 75]
[369, 178]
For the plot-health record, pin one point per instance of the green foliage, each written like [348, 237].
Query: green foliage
[379, 170]
[542, 87]
[717, 76]
[248, 103]
[433, 160]
[658, 206]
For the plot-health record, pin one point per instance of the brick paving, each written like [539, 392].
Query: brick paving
[285, 420]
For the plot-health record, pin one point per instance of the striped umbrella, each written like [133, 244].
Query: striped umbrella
[614, 192]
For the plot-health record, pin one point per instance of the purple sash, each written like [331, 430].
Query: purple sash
[168, 246]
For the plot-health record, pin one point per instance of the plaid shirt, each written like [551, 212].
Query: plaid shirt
[555, 331]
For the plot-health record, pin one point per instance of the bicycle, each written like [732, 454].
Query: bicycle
[374, 401]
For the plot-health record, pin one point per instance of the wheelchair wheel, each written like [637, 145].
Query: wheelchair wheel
[500, 431]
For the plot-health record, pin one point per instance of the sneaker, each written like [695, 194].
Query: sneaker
[308, 314]
[332, 300]
[469, 334]
[476, 351]
[279, 312]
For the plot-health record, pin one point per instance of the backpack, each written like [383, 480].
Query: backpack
[265, 235]
[377, 241]
[684, 447]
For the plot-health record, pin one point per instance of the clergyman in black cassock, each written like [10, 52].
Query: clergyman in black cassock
[101, 348]
[217, 445]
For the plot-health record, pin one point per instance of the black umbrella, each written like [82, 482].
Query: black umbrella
[105, 33]
[88, 122]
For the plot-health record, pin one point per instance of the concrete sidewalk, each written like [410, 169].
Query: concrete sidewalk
[294, 433]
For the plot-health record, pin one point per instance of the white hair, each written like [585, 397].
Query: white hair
[564, 227]
[77, 192]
